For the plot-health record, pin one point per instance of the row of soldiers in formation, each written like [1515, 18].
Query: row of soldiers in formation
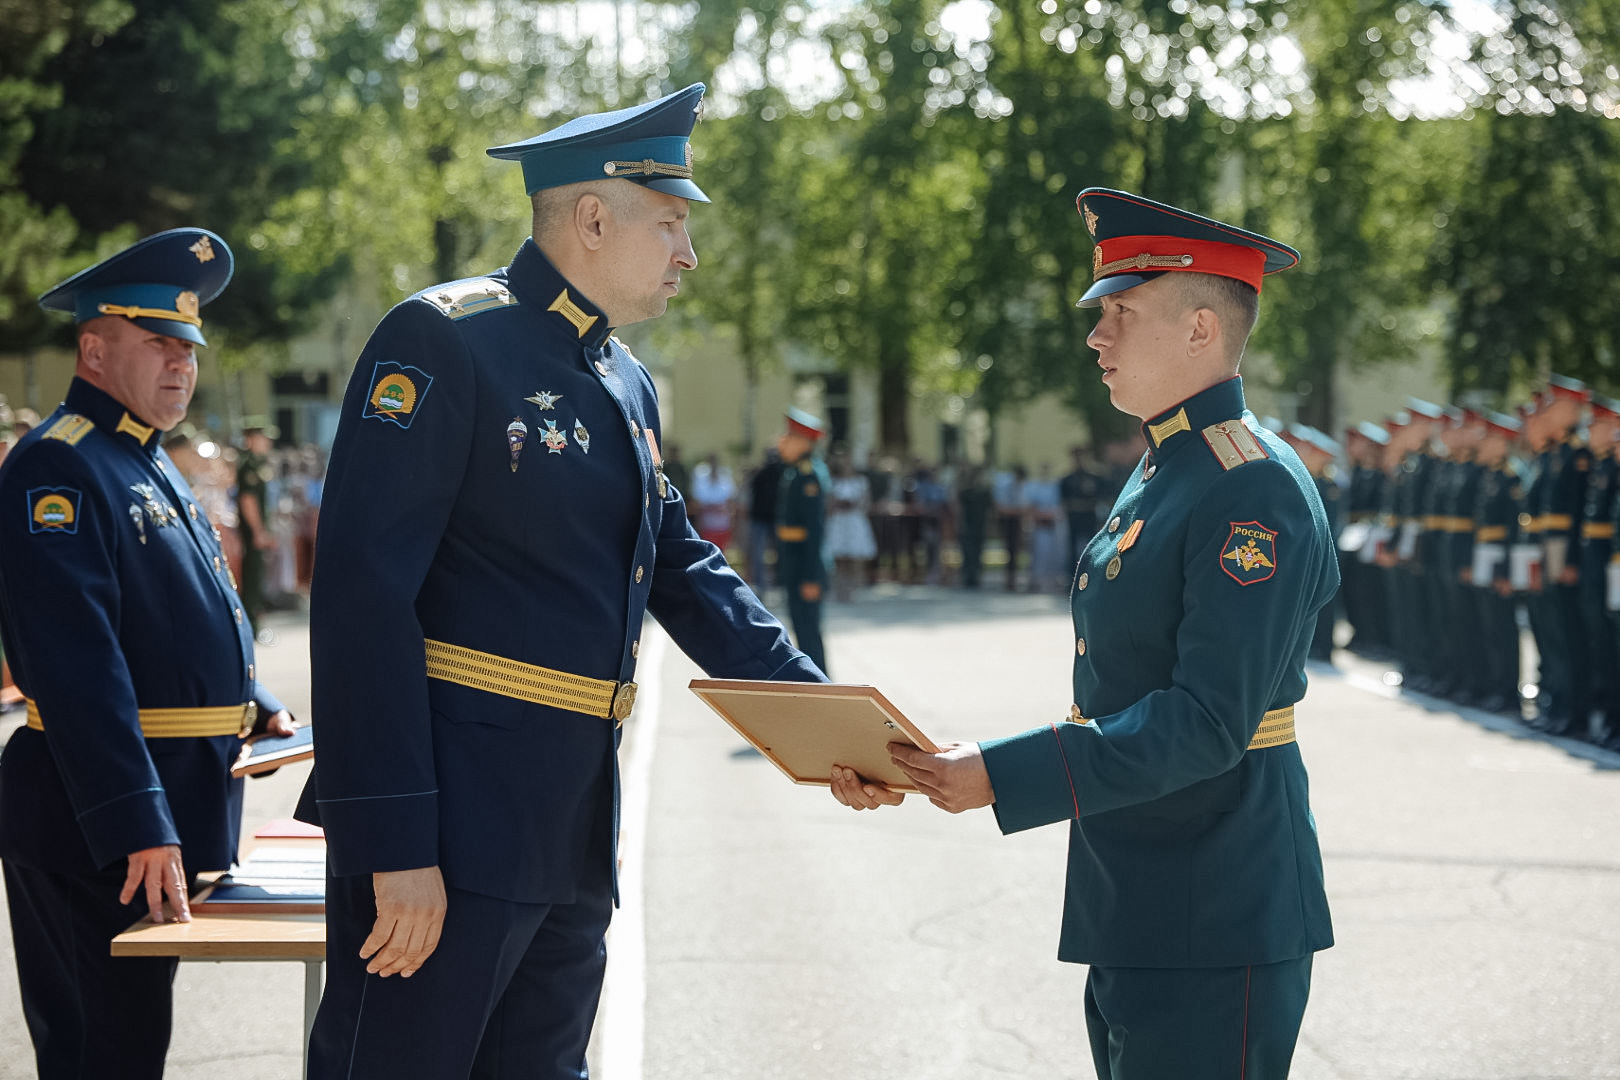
[1454, 521]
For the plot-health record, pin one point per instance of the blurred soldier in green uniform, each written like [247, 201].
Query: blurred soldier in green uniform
[800, 520]
[1406, 497]
[1597, 549]
[1456, 633]
[1362, 593]
[1320, 453]
[253, 476]
[1495, 670]
[1557, 499]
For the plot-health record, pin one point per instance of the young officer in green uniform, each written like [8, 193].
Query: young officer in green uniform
[800, 525]
[1195, 880]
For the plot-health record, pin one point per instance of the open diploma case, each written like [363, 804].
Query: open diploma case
[807, 728]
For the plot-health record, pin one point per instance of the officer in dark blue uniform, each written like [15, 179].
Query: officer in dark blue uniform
[1558, 497]
[801, 529]
[1195, 880]
[128, 639]
[1596, 551]
[1496, 665]
[1362, 586]
[495, 524]
[1320, 453]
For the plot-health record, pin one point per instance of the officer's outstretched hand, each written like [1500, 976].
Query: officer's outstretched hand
[410, 915]
[163, 874]
[954, 779]
[850, 789]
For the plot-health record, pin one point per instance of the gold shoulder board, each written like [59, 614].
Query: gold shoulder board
[460, 299]
[1233, 444]
[70, 429]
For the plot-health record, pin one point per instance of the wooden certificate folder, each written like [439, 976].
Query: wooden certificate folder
[807, 728]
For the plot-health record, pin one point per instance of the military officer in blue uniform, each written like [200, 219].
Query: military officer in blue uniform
[496, 522]
[1494, 516]
[1195, 880]
[801, 529]
[127, 637]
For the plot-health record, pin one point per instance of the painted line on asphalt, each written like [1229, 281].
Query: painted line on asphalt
[624, 989]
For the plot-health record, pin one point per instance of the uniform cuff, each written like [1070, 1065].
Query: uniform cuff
[380, 835]
[1031, 780]
[129, 824]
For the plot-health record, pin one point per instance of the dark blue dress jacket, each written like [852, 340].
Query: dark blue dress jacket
[496, 485]
[1193, 610]
[115, 596]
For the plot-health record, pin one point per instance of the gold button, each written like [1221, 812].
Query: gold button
[250, 671]
[216, 564]
[639, 571]
[1147, 473]
[1112, 571]
[238, 613]
[635, 430]
[193, 508]
[601, 369]
[635, 650]
[646, 501]
[1113, 526]
[1524, 521]
[1080, 646]
[1084, 580]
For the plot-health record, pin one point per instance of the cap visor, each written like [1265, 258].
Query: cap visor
[1113, 284]
[674, 185]
[169, 328]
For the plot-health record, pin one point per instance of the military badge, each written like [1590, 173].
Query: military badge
[139, 519]
[657, 462]
[1091, 219]
[1128, 541]
[516, 432]
[53, 510]
[556, 440]
[582, 436]
[1249, 555]
[397, 391]
[545, 399]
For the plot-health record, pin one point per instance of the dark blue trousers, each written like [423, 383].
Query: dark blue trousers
[511, 991]
[90, 1014]
[806, 618]
[1196, 1023]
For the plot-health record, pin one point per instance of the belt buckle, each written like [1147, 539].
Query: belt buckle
[250, 716]
[624, 699]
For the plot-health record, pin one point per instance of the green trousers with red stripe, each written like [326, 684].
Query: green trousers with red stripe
[1237, 1023]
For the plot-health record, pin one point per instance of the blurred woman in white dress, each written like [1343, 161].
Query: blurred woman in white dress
[849, 534]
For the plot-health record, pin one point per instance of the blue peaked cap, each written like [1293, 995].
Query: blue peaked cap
[159, 283]
[645, 144]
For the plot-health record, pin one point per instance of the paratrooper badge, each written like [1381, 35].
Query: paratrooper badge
[556, 440]
[516, 432]
[397, 391]
[1249, 555]
[54, 510]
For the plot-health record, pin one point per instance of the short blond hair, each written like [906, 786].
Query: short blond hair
[1236, 303]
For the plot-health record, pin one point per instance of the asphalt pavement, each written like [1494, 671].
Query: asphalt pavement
[1473, 869]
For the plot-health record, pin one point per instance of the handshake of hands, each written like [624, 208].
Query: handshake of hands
[954, 779]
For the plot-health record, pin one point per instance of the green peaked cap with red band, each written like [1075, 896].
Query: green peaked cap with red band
[1138, 239]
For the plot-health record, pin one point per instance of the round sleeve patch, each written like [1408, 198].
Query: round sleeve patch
[53, 510]
[1249, 555]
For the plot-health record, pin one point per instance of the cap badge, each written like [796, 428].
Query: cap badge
[187, 305]
[202, 249]
[1091, 219]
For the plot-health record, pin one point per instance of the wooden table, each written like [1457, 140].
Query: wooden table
[215, 937]
[239, 937]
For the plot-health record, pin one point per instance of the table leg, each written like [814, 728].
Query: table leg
[312, 1001]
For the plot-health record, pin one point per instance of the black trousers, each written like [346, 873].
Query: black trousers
[510, 992]
[91, 1015]
[1185, 1023]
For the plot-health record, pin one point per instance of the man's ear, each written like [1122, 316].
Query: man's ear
[590, 221]
[1204, 333]
[93, 351]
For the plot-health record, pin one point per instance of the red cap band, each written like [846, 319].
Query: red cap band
[1143, 254]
